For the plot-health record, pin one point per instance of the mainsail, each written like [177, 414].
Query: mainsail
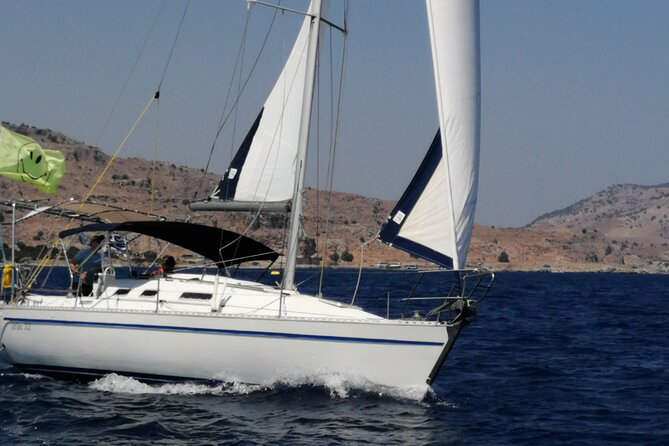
[435, 216]
[263, 169]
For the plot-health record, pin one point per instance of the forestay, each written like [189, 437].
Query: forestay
[435, 216]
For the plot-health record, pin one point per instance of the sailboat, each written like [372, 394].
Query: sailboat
[213, 326]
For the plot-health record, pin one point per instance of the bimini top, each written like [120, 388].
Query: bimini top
[225, 248]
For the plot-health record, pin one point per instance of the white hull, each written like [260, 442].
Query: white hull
[105, 335]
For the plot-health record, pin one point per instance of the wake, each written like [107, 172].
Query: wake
[337, 386]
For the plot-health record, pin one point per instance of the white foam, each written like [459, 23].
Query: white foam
[122, 384]
[338, 385]
[32, 376]
[348, 385]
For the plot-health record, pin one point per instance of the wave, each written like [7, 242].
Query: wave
[26, 376]
[349, 386]
[115, 383]
[337, 385]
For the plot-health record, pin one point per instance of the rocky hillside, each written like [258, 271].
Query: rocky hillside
[129, 182]
[625, 224]
[624, 227]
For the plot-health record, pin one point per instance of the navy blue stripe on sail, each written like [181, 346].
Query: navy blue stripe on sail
[391, 228]
[227, 187]
[423, 252]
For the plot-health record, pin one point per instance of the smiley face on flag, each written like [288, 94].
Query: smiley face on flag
[22, 159]
[33, 162]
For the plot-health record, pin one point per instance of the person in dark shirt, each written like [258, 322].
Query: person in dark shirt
[87, 263]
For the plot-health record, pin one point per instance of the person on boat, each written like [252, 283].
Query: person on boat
[87, 263]
[166, 266]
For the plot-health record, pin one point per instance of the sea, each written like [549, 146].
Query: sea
[550, 359]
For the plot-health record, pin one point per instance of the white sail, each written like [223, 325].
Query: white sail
[263, 169]
[435, 216]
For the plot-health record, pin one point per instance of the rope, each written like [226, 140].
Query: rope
[333, 148]
[132, 69]
[154, 162]
[224, 116]
[33, 276]
[174, 44]
[357, 283]
[118, 150]
[157, 97]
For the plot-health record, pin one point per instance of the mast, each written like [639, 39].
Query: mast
[315, 9]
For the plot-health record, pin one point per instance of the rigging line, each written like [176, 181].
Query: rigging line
[240, 58]
[42, 261]
[174, 44]
[241, 55]
[36, 269]
[331, 136]
[335, 142]
[318, 147]
[318, 163]
[318, 154]
[357, 283]
[224, 116]
[118, 150]
[155, 155]
[132, 69]
[33, 273]
[318, 186]
[33, 276]
[153, 185]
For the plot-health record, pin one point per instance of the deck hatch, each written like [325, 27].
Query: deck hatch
[201, 296]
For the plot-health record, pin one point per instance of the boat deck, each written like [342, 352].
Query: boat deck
[195, 293]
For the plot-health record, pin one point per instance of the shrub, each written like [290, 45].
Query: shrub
[503, 257]
[334, 257]
[346, 256]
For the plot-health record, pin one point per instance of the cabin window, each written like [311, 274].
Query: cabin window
[122, 291]
[202, 296]
[149, 292]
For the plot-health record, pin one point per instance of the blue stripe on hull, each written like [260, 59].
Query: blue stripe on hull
[268, 334]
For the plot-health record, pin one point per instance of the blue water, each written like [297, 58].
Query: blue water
[576, 359]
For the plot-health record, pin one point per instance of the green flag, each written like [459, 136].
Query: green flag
[21, 158]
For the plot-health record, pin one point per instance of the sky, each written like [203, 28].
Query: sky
[575, 95]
